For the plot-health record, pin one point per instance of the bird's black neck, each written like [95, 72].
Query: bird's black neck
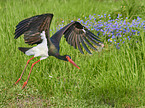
[61, 57]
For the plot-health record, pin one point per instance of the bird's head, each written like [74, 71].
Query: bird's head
[68, 58]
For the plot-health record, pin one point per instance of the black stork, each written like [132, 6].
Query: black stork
[36, 31]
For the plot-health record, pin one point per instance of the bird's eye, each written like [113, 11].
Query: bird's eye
[68, 57]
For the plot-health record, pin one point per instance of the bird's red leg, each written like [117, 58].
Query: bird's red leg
[25, 83]
[23, 70]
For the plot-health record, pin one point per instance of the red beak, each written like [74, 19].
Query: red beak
[71, 61]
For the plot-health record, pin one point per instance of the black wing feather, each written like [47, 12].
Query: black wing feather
[83, 44]
[94, 37]
[79, 46]
[90, 45]
[70, 36]
[74, 41]
[32, 27]
[77, 36]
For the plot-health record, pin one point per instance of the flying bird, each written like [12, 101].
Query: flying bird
[36, 31]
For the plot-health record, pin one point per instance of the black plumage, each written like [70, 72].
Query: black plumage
[76, 34]
[33, 28]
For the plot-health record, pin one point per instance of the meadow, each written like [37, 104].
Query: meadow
[112, 77]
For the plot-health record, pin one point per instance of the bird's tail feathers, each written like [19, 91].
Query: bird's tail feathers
[23, 49]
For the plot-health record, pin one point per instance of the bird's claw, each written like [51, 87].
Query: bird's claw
[25, 83]
[17, 80]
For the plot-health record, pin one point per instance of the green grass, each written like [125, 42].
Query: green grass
[111, 78]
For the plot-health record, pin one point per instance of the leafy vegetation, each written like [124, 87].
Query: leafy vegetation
[109, 78]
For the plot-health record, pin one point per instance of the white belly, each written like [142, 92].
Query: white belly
[41, 49]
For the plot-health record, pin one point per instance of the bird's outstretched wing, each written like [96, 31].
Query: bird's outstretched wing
[32, 28]
[77, 36]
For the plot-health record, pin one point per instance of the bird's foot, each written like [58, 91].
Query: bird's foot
[25, 83]
[17, 80]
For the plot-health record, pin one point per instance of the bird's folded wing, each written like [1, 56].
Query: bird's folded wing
[32, 27]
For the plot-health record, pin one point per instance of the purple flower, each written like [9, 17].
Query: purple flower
[115, 30]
